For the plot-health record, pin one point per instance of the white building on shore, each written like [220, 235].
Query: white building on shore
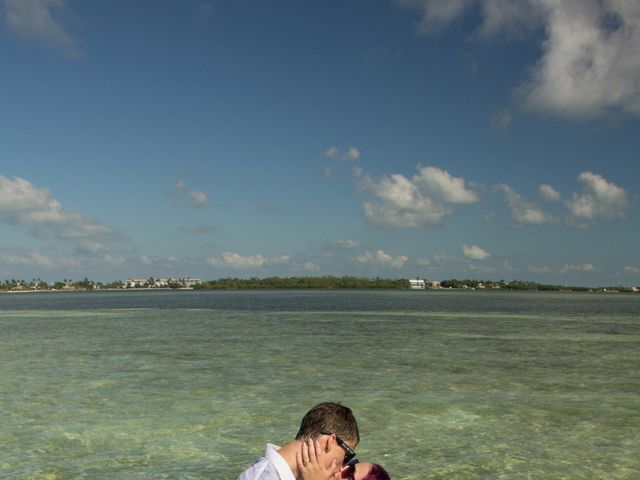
[187, 282]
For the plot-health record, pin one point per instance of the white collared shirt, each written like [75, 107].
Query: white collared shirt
[271, 466]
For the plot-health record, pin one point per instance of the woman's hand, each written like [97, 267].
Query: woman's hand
[309, 465]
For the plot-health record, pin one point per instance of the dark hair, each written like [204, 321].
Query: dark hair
[377, 473]
[329, 417]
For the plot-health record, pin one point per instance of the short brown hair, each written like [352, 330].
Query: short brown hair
[329, 417]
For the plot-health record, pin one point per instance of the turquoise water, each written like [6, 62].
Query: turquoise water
[455, 385]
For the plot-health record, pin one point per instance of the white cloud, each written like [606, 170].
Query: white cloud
[507, 267]
[442, 184]
[185, 196]
[631, 269]
[279, 260]
[91, 246]
[350, 154]
[475, 253]
[311, 267]
[502, 119]
[347, 244]
[441, 258]
[590, 62]
[599, 198]
[22, 203]
[550, 194]
[198, 198]
[436, 14]
[523, 211]
[339, 247]
[34, 20]
[112, 260]
[582, 267]
[514, 18]
[237, 261]
[332, 152]
[419, 202]
[543, 269]
[241, 262]
[144, 259]
[382, 259]
[30, 259]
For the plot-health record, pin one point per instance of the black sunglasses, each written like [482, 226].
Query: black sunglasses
[349, 452]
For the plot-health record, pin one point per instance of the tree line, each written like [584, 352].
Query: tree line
[326, 282]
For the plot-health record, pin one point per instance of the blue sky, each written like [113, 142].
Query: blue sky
[487, 139]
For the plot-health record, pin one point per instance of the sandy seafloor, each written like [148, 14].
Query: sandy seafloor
[445, 385]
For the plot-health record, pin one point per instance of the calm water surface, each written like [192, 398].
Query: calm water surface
[445, 385]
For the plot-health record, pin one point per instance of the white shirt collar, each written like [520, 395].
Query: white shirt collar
[271, 454]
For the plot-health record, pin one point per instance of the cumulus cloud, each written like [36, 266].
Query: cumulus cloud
[241, 262]
[89, 246]
[332, 152]
[514, 18]
[502, 119]
[523, 212]
[183, 195]
[421, 201]
[598, 199]
[347, 244]
[311, 267]
[339, 247]
[543, 269]
[146, 260]
[550, 194]
[237, 261]
[380, 258]
[436, 14]
[22, 203]
[34, 20]
[474, 252]
[590, 62]
[631, 269]
[582, 267]
[350, 154]
[29, 259]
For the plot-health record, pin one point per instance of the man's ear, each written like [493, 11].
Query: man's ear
[327, 444]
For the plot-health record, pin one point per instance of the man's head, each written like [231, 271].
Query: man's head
[336, 424]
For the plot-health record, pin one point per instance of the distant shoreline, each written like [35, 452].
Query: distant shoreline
[297, 283]
[428, 290]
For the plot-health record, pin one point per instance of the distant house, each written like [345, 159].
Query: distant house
[190, 282]
[417, 284]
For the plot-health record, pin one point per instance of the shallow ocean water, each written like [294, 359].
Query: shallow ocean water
[192, 384]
